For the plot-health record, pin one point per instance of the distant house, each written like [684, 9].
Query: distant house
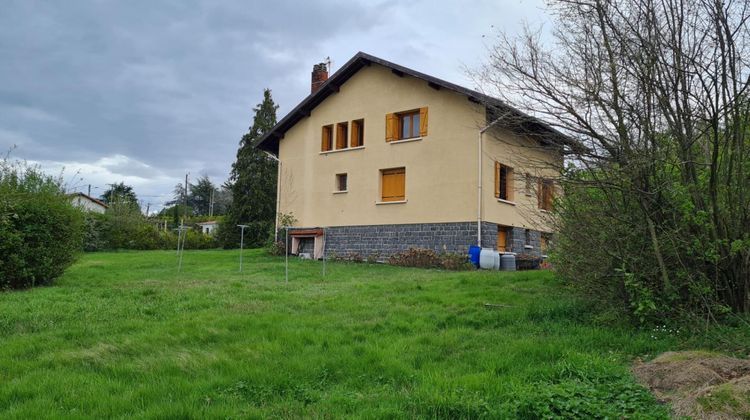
[364, 171]
[88, 203]
[209, 227]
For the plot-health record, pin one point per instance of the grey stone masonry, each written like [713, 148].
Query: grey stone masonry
[381, 241]
[525, 241]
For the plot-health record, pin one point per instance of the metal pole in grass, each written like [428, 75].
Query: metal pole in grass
[286, 258]
[324, 252]
[181, 249]
[242, 242]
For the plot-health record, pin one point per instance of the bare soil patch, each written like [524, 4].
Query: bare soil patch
[700, 385]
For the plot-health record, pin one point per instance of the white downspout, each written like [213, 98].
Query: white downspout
[479, 181]
[278, 196]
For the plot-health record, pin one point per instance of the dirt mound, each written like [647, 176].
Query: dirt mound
[701, 385]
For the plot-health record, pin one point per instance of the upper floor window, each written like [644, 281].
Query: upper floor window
[545, 194]
[326, 142]
[358, 133]
[406, 125]
[503, 182]
[342, 135]
[338, 139]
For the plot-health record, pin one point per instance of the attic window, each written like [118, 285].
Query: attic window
[406, 125]
[326, 142]
[342, 135]
[358, 133]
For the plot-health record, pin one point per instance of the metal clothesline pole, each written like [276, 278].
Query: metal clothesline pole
[286, 258]
[242, 242]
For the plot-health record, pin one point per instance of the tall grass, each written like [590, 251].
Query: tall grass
[123, 334]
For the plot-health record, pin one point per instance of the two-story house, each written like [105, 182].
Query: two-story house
[380, 158]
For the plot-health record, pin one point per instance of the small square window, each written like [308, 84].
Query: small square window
[341, 182]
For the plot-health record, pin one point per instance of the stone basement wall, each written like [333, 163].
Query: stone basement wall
[382, 241]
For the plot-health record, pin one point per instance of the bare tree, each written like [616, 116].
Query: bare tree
[656, 91]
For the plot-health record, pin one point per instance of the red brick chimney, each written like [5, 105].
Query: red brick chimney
[319, 76]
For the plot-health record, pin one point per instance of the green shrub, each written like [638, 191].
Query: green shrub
[93, 239]
[41, 232]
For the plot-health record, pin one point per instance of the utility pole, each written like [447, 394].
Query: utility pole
[184, 200]
[211, 204]
[148, 207]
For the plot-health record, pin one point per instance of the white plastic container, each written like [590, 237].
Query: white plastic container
[489, 259]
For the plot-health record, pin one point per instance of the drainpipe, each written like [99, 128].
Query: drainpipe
[479, 180]
[278, 196]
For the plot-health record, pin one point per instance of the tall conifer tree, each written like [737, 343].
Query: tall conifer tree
[252, 182]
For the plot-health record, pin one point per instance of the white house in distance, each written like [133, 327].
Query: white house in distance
[88, 203]
[208, 228]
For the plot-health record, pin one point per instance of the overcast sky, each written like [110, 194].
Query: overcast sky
[143, 91]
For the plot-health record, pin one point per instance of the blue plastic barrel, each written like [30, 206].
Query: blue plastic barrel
[474, 254]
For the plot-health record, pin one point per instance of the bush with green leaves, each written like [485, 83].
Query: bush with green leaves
[41, 232]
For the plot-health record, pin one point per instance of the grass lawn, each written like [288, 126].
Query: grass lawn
[123, 334]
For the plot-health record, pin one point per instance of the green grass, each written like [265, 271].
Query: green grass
[123, 334]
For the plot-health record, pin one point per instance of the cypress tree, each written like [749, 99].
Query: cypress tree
[252, 182]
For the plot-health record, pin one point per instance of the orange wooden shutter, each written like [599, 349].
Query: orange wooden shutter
[341, 136]
[391, 125]
[355, 134]
[393, 185]
[325, 139]
[502, 240]
[497, 179]
[539, 193]
[422, 122]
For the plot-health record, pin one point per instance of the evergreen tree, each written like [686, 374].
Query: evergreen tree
[252, 183]
[201, 194]
[120, 194]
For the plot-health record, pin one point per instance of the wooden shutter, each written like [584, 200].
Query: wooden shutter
[502, 239]
[548, 194]
[422, 122]
[539, 193]
[325, 139]
[355, 133]
[497, 179]
[341, 132]
[394, 184]
[391, 127]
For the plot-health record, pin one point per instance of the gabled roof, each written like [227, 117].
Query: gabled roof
[90, 198]
[521, 121]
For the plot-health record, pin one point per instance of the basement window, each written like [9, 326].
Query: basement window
[341, 183]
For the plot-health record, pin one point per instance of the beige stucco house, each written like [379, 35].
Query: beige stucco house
[380, 158]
